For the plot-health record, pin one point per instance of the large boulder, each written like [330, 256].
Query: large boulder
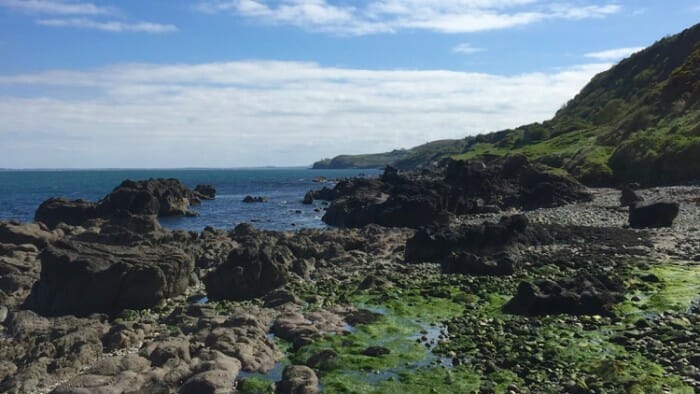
[82, 278]
[298, 379]
[161, 197]
[256, 267]
[583, 295]
[60, 210]
[653, 214]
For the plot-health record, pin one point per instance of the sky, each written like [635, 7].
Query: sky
[237, 83]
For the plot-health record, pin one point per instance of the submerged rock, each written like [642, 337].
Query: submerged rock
[257, 199]
[205, 192]
[81, 278]
[653, 214]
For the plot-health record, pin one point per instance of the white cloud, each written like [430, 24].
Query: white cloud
[54, 7]
[466, 49]
[110, 26]
[257, 112]
[446, 16]
[613, 54]
[83, 15]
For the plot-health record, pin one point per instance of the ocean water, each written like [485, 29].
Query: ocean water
[21, 192]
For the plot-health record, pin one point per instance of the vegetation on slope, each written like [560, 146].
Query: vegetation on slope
[637, 122]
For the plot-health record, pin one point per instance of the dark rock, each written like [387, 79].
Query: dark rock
[280, 297]
[470, 264]
[251, 199]
[417, 199]
[83, 278]
[258, 266]
[308, 198]
[653, 214]
[435, 244]
[161, 197]
[60, 210]
[298, 379]
[205, 192]
[582, 295]
[321, 358]
[376, 351]
[630, 197]
[362, 316]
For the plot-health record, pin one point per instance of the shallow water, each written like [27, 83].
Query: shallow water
[21, 192]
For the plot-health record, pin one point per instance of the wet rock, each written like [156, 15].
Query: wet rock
[361, 316]
[82, 278]
[60, 210]
[653, 214]
[583, 295]
[298, 379]
[630, 197]
[257, 199]
[376, 351]
[308, 198]
[321, 358]
[210, 382]
[205, 192]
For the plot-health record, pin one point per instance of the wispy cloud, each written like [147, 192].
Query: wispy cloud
[54, 7]
[613, 54]
[84, 16]
[258, 112]
[466, 49]
[377, 16]
[110, 26]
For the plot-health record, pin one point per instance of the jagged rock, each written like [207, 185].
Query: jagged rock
[46, 351]
[252, 270]
[298, 379]
[308, 198]
[82, 278]
[205, 192]
[376, 351]
[435, 244]
[161, 197]
[26, 233]
[653, 214]
[257, 199]
[630, 197]
[582, 295]
[60, 210]
[421, 199]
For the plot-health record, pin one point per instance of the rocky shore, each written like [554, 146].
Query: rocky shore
[478, 278]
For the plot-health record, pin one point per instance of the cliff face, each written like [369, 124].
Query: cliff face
[637, 122]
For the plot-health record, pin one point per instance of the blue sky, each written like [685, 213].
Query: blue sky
[223, 83]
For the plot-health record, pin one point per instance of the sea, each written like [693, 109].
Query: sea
[22, 191]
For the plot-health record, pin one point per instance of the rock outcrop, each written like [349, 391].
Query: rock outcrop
[205, 192]
[82, 278]
[582, 295]
[461, 187]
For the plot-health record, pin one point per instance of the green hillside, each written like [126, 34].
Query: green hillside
[637, 122]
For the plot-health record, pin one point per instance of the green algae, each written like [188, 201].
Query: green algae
[255, 385]
[675, 288]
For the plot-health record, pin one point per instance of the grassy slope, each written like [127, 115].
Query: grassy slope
[639, 121]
